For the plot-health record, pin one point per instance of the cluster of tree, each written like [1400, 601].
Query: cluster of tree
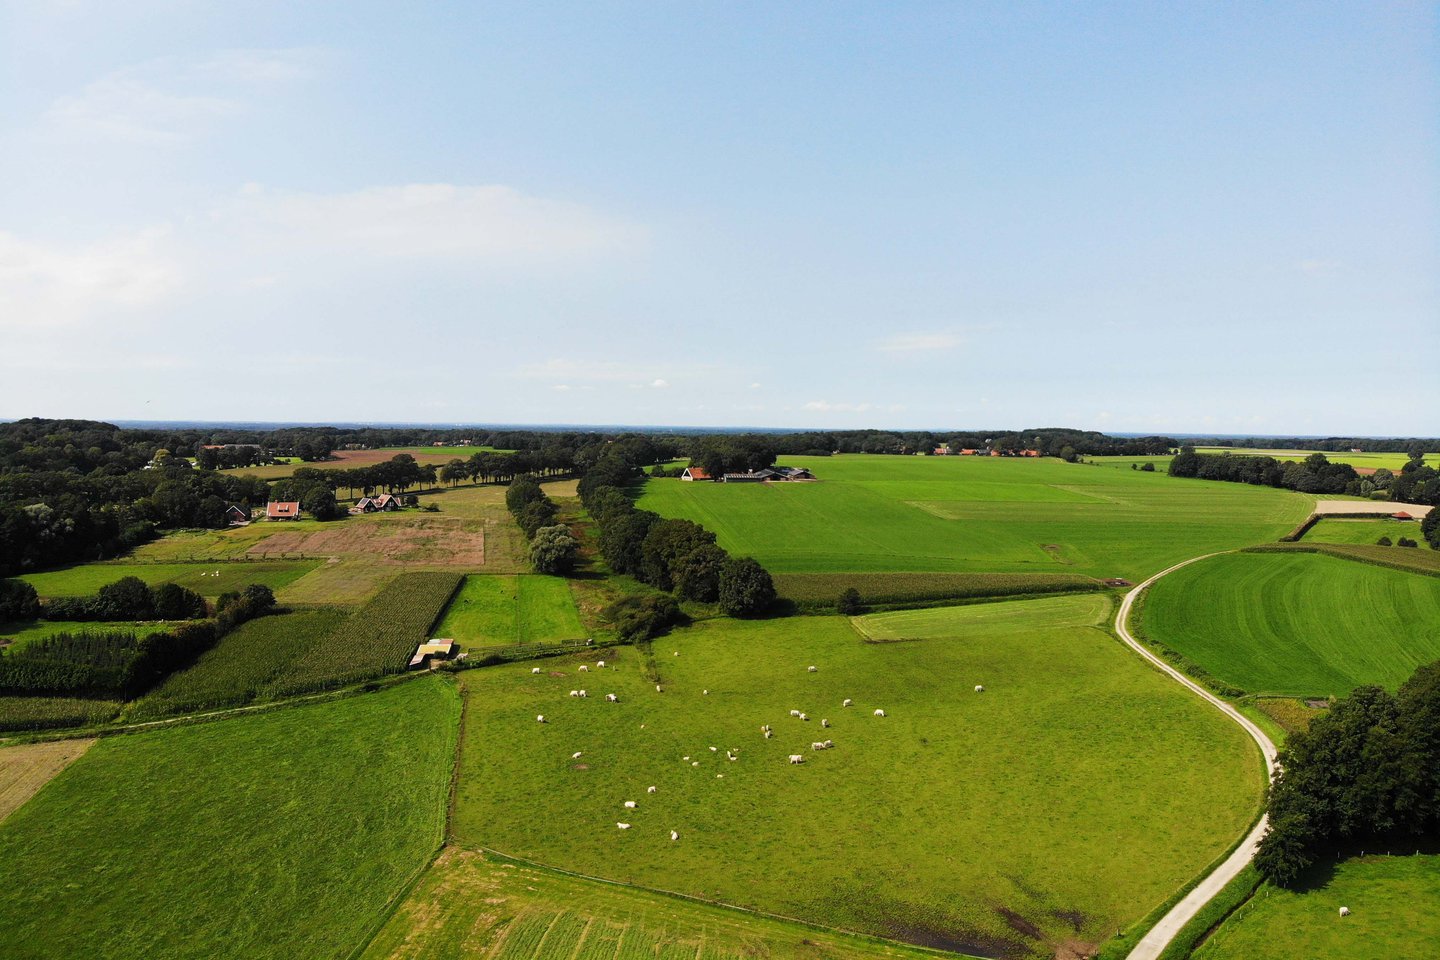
[552, 548]
[130, 598]
[1050, 441]
[724, 454]
[1430, 529]
[1411, 445]
[669, 555]
[18, 602]
[1367, 772]
[1314, 474]
[120, 664]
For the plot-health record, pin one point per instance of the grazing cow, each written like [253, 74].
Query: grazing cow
[612, 698]
[794, 713]
[804, 717]
[979, 688]
[824, 722]
[622, 826]
[797, 758]
[674, 835]
[769, 734]
[629, 804]
[714, 749]
[879, 713]
[677, 653]
[684, 758]
[575, 755]
[540, 718]
[583, 694]
[695, 763]
[812, 669]
[584, 668]
[730, 756]
[847, 702]
[649, 789]
[817, 746]
[600, 664]
[534, 669]
[764, 727]
[1344, 911]
[574, 693]
[829, 744]
[719, 776]
[705, 692]
[657, 689]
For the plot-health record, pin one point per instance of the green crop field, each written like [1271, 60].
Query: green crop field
[1346, 530]
[20, 634]
[981, 822]
[48, 713]
[1360, 461]
[282, 834]
[246, 664]
[1393, 915]
[493, 610]
[206, 579]
[974, 514]
[507, 911]
[1295, 623]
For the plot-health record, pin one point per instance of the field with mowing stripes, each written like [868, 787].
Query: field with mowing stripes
[1297, 624]
[500, 910]
[981, 515]
[1347, 530]
[26, 768]
[88, 578]
[276, 835]
[494, 610]
[980, 822]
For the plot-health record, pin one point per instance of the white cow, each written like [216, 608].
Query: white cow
[714, 749]
[879, 713]
[979, 688]
[1344, 911]
[574, 693]
[813, 669]
[817, 746]
[829, 744]
[824, 722]
[657, 689]
[794, 713]
[797, 758]
[649, 789]
[622, 826]
[674, 835]
[540, 718]
[629, 804]
[612, 698]
[600, 664]
[804, 717]
[769, 734]
[583, 694]
[584, 668]
[575, 755]
[848, 702]
[705, 692]
[534, 669]
[695, 763]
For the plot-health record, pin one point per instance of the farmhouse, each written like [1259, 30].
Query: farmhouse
[695, 473]
[237, 514]
[430, 651]
[364, 505]
[387, 501]
[754, 476]
[793, 473]
[282, 510]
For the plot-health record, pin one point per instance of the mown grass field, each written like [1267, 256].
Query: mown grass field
[982, 822]
[475, 907]
[974, 514]
[1393, 916]
[276, 835]
[1297, 624]
[1346, 530]
[206, 579]
[20, 634]
[1360, 461]
[814, 589]
[25, 768]
[493, 610]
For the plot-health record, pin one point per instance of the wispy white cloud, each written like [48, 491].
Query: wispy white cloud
[920, 342]
[660, 384]
[826, 406]
[46, 285]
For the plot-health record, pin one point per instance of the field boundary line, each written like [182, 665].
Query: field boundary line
[721, 904]
[1159, 936]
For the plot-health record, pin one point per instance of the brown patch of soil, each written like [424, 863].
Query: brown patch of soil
[1076, 950]
[1017, 922]
[581, 766]
[446, 541]
[27, 768]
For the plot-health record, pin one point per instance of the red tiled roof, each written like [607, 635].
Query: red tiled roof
[698, 473]
[282, 508]
[1402, 515]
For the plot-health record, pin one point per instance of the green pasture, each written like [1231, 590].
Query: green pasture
[494, 610]
[502, 910]
[984, 823]
[1393, 915]
[1360, 461]
[978, 514]
[283, 834]
[1347, 530]
[206, 579]
[1297, 624]
[21, 634]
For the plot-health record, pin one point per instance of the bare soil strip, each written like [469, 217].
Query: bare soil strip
[25, 769]
[1385, 507]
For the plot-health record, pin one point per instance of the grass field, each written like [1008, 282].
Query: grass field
[1360, 461]
[474, 907]
[1346, 530]
[492, 610]
[1296, 623]
[25, 768]
[20, 634]
[825, 588]
[972, 514]
[1393, 915]
[86, 579]
[246, 665]
[344, 459]
[53, 713]
[277, 835]
[977, 822]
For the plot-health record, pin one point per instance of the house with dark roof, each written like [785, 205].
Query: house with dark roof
[237, 514]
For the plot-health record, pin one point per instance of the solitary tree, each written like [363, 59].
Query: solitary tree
[745, 587]
[553, 550]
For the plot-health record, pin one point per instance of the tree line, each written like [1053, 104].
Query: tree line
[1365, 775]
[552, 548]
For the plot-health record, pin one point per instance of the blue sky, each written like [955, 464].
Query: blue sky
[1133, 217]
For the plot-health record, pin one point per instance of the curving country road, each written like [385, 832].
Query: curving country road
[1160, 935]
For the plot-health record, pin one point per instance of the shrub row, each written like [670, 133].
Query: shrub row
[552, 548]
[129, 598]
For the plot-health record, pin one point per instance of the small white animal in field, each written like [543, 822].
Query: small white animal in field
[649, 789]
[797, 758]
[575, 755]
[764, 727]
[804, 717]
[612, 698]
[768, 734]
[817, 746]
[879, 713]
[534, 669]
[730, 756]
[684, 758]
[540, 718]
[813, 669]
[629, 804]
[584, 668]
[574, 693]
[719, 776]
[705, 692]
[600, 664]
[794, 713]
[1344, 911]
[622, 826]
[979, 688]
[695, 763]
[714, 749]
[674, 835]
[829, 744]
[824, 722]
[583, 694]
[657, 689]
[677, 653]
[848, 702]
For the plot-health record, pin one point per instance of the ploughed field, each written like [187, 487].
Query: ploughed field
[978, 514]
[1296, 623]
[282, 834]
[981, 822]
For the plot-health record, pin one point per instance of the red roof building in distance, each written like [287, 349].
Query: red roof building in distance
[282, 510]
[1402, 515]
[696, 473]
